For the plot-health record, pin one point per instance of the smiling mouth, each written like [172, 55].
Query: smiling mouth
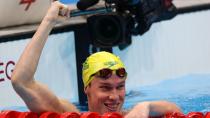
[111, 107]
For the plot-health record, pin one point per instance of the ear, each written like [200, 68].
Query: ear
[85, 89]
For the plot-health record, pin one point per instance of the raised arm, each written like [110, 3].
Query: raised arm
[37, 96]
[152, 108]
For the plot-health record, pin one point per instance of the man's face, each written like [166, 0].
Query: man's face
[106, 95]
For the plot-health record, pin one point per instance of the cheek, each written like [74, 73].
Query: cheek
[102, 96]
[98, 96]
[122, 94]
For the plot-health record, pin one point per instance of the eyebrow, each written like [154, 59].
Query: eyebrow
[104, 83]
[108, 84]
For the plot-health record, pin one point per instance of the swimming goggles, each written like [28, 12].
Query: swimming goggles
[107, 73]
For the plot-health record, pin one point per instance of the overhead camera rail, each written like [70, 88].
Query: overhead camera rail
[123, 18]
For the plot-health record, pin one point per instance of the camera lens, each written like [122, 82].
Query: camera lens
[107, 30]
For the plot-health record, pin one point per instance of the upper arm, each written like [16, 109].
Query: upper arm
[39, 98]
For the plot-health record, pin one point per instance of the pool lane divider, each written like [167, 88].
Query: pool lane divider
[17, 114]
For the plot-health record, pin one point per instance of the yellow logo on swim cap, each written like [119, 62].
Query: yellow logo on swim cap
[110, 63]
[98, 61]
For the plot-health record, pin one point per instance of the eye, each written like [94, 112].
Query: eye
[105, 88]
[121, 86]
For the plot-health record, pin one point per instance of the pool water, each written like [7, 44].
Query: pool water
[191, 93]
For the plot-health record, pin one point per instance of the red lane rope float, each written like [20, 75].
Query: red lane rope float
[90, 115]
[207, 115]
[70, 115]
[195, 115]
[9, 114]
[49, 115]
[111, 115]
[28, 115]
[17, 114]
[175, 115]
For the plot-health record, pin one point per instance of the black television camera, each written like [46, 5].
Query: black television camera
[115, 23]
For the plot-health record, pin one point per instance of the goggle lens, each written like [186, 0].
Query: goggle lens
[107, 73]
[121, 72]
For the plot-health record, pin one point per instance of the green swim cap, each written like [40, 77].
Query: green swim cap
[98, 61]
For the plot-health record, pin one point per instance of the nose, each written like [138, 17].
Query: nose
[114, 95]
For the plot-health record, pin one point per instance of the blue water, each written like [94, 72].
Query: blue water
[191, 93]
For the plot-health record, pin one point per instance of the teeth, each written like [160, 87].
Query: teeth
[111, 107]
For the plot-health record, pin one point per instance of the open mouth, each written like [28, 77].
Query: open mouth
[111, 107]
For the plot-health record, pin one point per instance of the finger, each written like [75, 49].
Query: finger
[68, 12]
[64, 11]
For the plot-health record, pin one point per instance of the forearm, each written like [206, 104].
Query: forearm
[162, 107]
[27, 64]
[152, 108]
